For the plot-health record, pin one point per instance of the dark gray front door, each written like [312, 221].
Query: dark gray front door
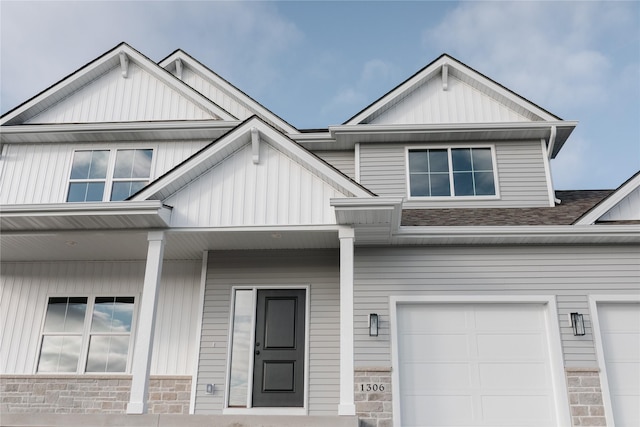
[278, 371]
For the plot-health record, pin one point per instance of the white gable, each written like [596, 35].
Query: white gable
[113, 98]
[236, 192]
[430, 103]
[627, 209]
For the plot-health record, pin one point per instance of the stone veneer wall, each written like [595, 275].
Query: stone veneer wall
[374, 407]
[585, 397]
[89, 394]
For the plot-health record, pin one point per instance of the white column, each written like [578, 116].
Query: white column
[346, 406]
[141, 365]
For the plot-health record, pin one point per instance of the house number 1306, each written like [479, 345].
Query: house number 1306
[371, 387]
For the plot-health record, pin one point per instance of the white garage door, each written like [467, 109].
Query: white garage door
[620, 332]
[474, 365]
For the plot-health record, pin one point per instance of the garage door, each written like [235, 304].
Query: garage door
[474, 365]
[620, 332]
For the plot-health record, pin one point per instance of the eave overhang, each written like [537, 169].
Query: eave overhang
[377, 222]
[84, 216]
[348, 135]
[115, 132]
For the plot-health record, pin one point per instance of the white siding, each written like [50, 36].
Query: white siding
[460, 103]
[39, 173]
[520, 166]
[237, 192]
[344, 161]
[570, 273]
[317, 268]
[112, 98]
[627, 209]
[25, 287]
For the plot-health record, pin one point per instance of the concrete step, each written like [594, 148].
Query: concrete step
[173, 420]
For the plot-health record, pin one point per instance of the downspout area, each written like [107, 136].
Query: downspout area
[550, 146]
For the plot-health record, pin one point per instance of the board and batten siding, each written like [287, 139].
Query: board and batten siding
[26, 286]
[460, 103]
[570, 273]
[237, 192]
[625, 210]
[39, 173]
[112, 98]
[319, 269]
[522, 179]
[344, 161]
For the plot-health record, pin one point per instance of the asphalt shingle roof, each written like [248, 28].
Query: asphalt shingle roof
[574, 204]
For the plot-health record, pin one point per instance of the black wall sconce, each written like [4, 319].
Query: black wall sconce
[373, 325]
[577, 323]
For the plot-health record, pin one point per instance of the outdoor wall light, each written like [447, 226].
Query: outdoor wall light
[373, 325]
[577, 323]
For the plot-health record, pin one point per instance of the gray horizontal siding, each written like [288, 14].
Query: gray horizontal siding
[317, 268]
[569, 273]
[341, 160]
[521, 175]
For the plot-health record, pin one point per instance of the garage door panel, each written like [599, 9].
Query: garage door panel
[439, 319]
[511, 346]
[626, 410]
[517, 410]
[627, 345]
[501, 375]
[494, 317]
[429, 347]
[448, 410]
[624, 375]
[422, 377]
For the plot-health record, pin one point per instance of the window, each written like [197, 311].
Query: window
[82, 334]
[451, 172]
[101, 175]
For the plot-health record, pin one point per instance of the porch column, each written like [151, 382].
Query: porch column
[346, 406]
[141, 365]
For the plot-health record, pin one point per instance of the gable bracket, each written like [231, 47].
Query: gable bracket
[255, 145]
[179, 68]
[445, 76]
[124, 64]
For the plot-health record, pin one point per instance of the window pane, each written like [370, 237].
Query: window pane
[242, 325]
[418, 161]
[463, 183]
[482, 160]
[95, 191]
[81, 164]
[461, 158]
[99, 161]
[65, 314]
[77, 192]
[484, 184]
[440, 185]
[59, 354]
[419, 185]
[142, 164]
[124, 164]
[108, 353]
[123, 189]
[438, 161]
[112, 314]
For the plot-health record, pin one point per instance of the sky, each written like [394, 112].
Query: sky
[316, 64]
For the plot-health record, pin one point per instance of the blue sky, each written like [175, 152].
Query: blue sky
[316, 64]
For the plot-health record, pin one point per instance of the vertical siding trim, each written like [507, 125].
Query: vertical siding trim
[547, 173]
[198, 337]
[357, 162]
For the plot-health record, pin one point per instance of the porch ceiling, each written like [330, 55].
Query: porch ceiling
[180, 244]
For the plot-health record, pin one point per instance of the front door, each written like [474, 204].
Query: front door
[278, 368]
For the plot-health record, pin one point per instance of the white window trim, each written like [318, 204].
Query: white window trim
[554, 341]
[594, 300]
[451, 183]
[86, 333]
[276, 410]
[108, 181]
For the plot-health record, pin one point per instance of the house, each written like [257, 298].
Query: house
[174, 253]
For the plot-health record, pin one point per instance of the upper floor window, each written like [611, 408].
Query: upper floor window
[82, 334]
[448, 172]
[102, 175]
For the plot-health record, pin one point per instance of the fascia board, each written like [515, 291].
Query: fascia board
[604, 206]
[21, 133]
[524, 234]
[230, 89]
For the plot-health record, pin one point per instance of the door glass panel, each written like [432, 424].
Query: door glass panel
[240, 348]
